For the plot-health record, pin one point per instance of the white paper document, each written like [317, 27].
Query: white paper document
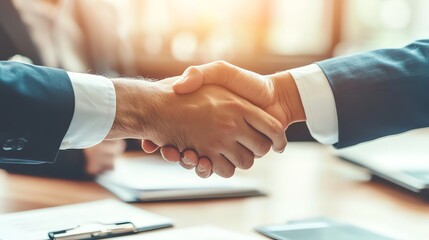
[150, 178]
[36, 224]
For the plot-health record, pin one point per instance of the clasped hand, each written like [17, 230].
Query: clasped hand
[229, 124]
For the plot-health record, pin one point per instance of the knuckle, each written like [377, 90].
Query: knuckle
[238, 106]
[221, 63]
[225, 70]
[277, 128]
[246, 161]
[263, 147]
[219, 144]
[228, 125]
[227, 172]
[191, 70]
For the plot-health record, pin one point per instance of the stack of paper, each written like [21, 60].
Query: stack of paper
[151, 178]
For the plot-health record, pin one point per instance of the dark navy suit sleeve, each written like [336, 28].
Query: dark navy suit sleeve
[380, 93]
[36, 108]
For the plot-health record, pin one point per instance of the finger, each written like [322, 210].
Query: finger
[267, 125]
[240, 156]
[219, 73]
[190, 158]
[204, 168]
[170, 154]
[222, 166]
[185, 166]
[149, 147]
[190, 81]
[253, 140]
[122, 145]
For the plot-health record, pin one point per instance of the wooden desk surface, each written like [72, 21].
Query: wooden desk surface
[306, 181]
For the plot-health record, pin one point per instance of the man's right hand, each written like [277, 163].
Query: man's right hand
[221, 126]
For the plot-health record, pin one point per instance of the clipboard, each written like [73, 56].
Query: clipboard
[94, 231]
[90, 220]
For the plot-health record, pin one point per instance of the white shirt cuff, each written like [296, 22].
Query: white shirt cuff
[318, 101]
[94, 113]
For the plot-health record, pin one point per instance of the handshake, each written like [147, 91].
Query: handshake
[216, 117]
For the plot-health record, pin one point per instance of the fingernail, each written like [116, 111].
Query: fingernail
[192, 163]
[185, 160]
[162, 155]
[200, 168]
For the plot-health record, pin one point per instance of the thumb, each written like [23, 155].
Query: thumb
[190, 81]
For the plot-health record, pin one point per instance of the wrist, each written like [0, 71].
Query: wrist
[287, 94]
[132, 108]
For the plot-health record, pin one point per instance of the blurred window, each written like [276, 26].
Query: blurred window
[206, 30]
[372, 24]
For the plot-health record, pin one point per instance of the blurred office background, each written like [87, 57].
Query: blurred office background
[160, 38]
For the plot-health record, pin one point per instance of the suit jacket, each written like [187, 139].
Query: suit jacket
[36, 108]
[380, 93]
